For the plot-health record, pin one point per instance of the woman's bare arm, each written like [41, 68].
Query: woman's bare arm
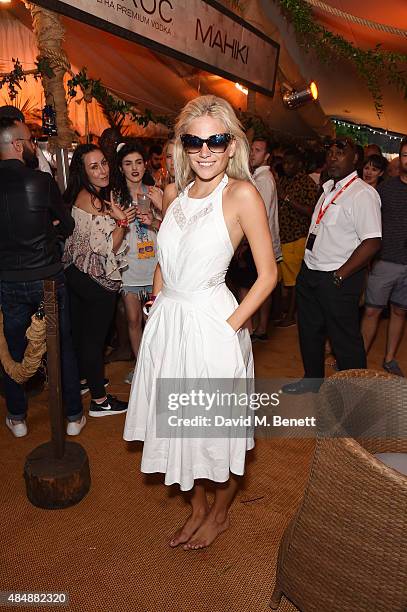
[85, 202]
[250, 215]
[170, 193]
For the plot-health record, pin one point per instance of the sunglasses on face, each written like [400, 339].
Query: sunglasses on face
[217, 143]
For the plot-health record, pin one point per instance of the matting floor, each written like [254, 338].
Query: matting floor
[111, 553]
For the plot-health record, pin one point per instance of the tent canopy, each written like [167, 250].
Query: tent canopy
[163, 84]
[343, 93]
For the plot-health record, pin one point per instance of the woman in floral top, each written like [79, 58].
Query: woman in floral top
[93, 258]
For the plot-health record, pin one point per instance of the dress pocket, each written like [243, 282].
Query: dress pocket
[228, 328]
[215, 326]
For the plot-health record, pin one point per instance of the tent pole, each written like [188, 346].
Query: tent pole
[62, 168]
[251, 101]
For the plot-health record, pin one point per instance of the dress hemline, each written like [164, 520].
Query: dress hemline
[200, 471]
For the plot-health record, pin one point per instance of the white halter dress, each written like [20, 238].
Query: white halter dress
[187, 337]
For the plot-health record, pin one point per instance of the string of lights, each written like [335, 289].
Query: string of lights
[367, 128]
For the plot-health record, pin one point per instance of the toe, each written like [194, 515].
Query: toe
[177, 539]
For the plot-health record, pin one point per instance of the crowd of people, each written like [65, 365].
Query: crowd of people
[210, 237]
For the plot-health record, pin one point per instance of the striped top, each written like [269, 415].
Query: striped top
[393, 194]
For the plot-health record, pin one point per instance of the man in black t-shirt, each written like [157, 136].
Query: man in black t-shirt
[388, 278]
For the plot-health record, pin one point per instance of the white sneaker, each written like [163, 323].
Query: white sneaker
[74, 428]
[129, 377]
[17, 428]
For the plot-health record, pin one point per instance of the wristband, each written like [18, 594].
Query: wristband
[122, 222]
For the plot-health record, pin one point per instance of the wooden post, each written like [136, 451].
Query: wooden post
[56, 473]
[251, 101]
[56, 411]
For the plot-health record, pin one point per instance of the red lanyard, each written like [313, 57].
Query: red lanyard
[336, 196]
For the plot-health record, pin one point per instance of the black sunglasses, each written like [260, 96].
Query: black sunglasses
[217, 143]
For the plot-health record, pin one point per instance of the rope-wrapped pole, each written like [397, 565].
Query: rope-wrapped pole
[50, 34]
[22, 371]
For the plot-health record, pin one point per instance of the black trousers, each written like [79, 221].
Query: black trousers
[326, 311]
[92, 309]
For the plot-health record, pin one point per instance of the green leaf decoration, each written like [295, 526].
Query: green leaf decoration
[114, 108]
[373, 65]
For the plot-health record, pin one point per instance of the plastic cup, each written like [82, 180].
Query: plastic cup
[143, 203]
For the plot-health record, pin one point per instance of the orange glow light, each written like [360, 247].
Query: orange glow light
[240, 87]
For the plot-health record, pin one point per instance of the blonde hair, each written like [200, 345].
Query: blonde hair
[171, 141]
[217, 108]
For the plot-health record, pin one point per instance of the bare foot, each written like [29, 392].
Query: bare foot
[207, 533]
[193, 522]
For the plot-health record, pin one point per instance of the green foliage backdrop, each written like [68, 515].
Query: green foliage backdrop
[373, 65]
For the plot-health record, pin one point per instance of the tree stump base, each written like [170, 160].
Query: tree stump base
[57, 483]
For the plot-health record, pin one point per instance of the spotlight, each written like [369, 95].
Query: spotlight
[295, 99]
[5, 1]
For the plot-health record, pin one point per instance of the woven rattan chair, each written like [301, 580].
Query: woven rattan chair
[346, 548]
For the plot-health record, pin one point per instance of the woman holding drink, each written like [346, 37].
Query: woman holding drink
[93, 258]
[129, 191]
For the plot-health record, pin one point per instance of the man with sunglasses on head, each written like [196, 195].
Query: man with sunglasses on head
[30, 202]
[39, 162]
[345, 234]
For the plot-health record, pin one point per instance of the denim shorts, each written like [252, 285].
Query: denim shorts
[387, 282]
[136, 290]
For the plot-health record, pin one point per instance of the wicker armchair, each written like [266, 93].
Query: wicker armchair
[346, 548]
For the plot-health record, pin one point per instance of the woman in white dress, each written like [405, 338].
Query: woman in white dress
[194, 329]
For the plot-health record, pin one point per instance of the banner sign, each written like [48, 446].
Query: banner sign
[199, 32]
